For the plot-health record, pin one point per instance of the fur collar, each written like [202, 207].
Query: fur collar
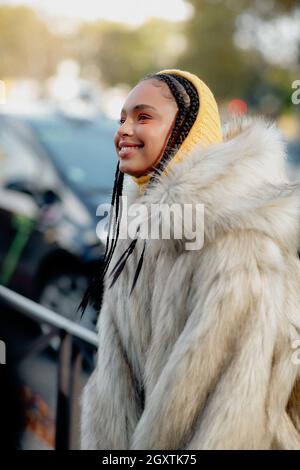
[241, 181]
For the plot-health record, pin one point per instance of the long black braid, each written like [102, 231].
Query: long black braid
[94, 292]
[185, 119]
[187, 100]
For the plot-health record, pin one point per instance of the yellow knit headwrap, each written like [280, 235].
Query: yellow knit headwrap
[206, 128]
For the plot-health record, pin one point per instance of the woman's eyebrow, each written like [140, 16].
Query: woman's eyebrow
[140, 106]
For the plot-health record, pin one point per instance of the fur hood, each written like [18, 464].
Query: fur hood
[201, 355]
[241, 182]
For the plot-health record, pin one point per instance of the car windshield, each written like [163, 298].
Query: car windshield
[83, 150]
[294, 152]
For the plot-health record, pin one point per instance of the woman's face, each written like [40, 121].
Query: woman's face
[146, 122]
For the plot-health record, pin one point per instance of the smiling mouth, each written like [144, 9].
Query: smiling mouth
[126, 151]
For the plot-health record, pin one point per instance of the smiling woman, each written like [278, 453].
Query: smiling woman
[145, 128]
[195, 346]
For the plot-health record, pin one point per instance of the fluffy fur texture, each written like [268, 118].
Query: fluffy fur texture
[200, 355]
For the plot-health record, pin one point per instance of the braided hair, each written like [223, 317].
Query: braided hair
[187, 99]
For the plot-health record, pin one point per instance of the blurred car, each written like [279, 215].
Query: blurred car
[294, 152]
[54, 171]
[293, 159]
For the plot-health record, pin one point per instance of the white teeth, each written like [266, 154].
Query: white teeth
[132, 146]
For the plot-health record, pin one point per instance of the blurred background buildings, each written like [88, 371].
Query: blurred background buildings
[245, 50]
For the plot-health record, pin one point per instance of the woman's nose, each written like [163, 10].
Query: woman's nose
[125, 128]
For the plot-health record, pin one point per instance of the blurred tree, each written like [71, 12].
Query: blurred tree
[211, 52]
[271, 8]
[211, 44]
[214, 54]
[124, 55]
[27, 47]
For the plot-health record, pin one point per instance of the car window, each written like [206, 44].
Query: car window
[18, 162]
[294, 152]
[83, 152]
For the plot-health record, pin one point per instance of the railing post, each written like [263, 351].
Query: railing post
[76, 387]
[63, 406]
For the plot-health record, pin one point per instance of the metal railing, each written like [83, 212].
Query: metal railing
[73, 337]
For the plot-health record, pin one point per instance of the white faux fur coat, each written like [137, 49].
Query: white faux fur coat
[201, 355]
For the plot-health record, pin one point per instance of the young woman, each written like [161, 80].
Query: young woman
[197, 347]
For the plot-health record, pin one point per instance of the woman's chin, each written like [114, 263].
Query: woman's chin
[130, 169]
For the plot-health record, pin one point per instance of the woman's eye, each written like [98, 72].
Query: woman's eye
[143, 116]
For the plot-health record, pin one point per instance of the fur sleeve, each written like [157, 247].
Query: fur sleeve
[213, 390]
[109, 404]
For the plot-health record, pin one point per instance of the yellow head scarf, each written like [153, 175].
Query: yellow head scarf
[206, 128]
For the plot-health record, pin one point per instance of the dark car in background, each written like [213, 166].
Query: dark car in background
[294, 151]
[55, 170]
[293, 159]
